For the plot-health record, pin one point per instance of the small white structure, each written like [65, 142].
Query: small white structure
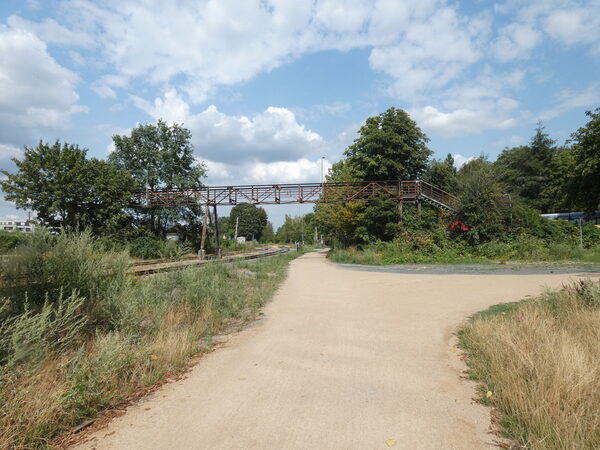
[241, 239]
[26, 226]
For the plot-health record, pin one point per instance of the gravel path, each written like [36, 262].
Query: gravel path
[342, 359]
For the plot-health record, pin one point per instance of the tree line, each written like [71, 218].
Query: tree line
[497, 198]
[68, 190]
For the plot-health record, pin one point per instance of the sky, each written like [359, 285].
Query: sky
[270, 87]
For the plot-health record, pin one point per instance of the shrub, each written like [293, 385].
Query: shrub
[146, 247]
[11, 239]
[46, 265]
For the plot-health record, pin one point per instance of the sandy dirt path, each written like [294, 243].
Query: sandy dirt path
[341, 360]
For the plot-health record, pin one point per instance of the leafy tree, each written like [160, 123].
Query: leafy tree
[584, 186]
[524, 169]
[340, 221]
[442, 174]
[67, 190]
[296, 229]
[161, 156]
[268, 234]
[485, 208]
[560, 172]
[251, 220]
[390, 147]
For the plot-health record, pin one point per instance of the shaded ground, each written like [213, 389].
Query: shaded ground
[343, 359]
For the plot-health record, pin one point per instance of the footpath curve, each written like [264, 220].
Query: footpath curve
[342, 359]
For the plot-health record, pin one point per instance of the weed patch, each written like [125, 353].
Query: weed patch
[538, 364]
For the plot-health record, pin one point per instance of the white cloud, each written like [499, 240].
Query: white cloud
[51, 32]
[516, 40]
[418, 43]
[473, 107]
[9, 151]
[300, 171]
[36, 92]
[460, 160]
[575, 25]
[272, 135]
[569, 99]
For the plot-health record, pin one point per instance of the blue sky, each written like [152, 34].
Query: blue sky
[268, 87]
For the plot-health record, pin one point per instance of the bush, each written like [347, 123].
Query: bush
[44, 267]
[10, 240]
[146, 247]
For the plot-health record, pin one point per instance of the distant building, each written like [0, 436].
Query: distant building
[26, 226]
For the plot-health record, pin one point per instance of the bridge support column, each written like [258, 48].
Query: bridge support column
[202, 252]
[400, 208]
[419, 207]
[218, 241]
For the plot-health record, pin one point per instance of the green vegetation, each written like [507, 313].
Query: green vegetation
[67, 190]
[538, 362]
[78, 336]
[500, 202]
[9, 240]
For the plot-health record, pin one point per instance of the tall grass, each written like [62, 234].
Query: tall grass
[47, 266]
[59, 366]
[538, 363]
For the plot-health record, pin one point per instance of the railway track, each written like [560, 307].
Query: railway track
[153, 267]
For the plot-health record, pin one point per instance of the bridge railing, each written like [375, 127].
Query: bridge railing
[411, 190]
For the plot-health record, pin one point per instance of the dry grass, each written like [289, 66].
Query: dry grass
[159, 324]
[540, 359]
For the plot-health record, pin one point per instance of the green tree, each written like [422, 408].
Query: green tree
[340, 221]
[161, 156]
[583, 189]
[296, 229]
[442, 173]
[251, 220]
[485, 208]
[268, 234]
[525, 169]
[390, 146]
[67, 190]
[560, 171]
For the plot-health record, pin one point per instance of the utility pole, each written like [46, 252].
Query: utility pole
[580, 233]
[237, 221]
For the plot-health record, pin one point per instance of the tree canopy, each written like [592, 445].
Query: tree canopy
[252, 220]
[66, 189]
[161, 156]
[583, 187]
[524, 169]
[390, 146]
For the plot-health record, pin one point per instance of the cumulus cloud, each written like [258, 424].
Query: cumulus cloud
[51, 32]
[273, 135]
[473, 107]
[515, 41]
[37, 92]
[460, 160]
[575, 26]
[417, 43]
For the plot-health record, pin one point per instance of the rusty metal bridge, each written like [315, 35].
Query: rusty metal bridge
[279, 194]
[413, 191]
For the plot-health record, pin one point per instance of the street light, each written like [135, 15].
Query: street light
[322, 159]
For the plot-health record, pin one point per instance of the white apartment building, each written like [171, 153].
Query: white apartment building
[24, 225]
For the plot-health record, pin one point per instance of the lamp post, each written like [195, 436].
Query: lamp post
[322, 159]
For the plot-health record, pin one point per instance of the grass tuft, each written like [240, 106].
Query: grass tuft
[540, 359]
